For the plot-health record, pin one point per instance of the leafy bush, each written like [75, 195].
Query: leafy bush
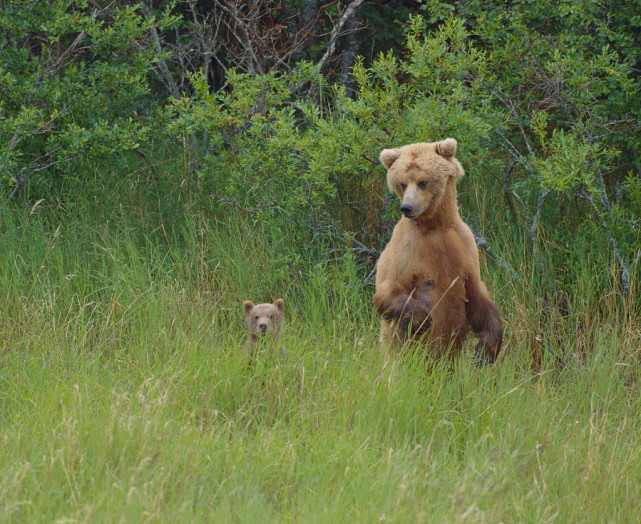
[73, 84]
[316, 158]
[541, 115]
[544, 100]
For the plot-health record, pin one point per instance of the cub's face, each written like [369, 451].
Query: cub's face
[264, 319]
[419, 173]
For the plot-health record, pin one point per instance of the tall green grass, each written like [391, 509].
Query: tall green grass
[125, 394]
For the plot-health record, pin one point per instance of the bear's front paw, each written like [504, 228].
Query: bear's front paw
[416, 317]
[419, 328]
[405, 320]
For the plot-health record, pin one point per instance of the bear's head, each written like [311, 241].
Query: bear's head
[420, 174]
[264, 319]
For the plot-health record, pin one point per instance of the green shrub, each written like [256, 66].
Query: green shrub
[73, 85]
[540, 116]
[542, 98]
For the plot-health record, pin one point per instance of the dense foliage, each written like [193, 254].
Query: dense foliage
[542, 97]
[73, 84]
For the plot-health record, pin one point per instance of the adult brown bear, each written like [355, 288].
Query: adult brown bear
[428, 281]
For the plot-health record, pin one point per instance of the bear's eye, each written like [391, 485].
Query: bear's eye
[271, 316]
[422, 184]
[256, 317]
[402, 187]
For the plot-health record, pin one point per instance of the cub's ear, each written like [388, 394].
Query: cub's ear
[389, 156]
[249, 305]
[446, 148]
[280, 304]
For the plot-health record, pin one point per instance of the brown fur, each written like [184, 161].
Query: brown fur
[428, 282]
[263, 323]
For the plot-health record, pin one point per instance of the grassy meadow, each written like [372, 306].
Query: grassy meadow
[125, 395]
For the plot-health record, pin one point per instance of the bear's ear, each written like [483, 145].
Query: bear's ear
[249, 305]
[280, 304]
[446, 148]
[389, 156]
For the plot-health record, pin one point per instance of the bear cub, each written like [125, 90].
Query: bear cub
[263, 323]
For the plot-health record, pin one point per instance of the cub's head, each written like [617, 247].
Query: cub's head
[419, 174]
[264, 319]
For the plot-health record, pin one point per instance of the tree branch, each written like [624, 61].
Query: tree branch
[24, 175]
[485, 245]
[513, 150]
[625, 274]
[510, 106]
[245, 39]
[347, 14]
[532, 226]
[162, 65]
[506, 187]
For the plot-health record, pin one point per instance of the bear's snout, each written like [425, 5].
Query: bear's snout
[412, 203]
[263, 327]
[407, 210]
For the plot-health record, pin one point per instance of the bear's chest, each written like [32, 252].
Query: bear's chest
[433, 269]
[433, 255]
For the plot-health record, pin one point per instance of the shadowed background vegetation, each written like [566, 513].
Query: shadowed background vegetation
[160, 163]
